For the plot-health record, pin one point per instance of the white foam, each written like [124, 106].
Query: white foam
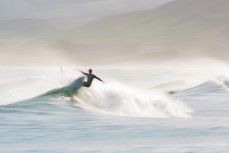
[117, 99]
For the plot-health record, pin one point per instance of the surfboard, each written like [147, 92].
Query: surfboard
[76, 85]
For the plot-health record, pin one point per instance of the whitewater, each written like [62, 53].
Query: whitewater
[142, 107]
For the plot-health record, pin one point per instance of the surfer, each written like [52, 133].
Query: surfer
[90, 78]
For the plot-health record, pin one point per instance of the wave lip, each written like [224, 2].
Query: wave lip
[116, 99]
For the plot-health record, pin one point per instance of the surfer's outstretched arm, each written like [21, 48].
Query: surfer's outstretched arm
[83, 72]
[99, 79]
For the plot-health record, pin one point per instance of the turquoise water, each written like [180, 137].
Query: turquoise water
[56, 123]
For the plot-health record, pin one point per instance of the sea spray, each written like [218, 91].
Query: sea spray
[117, 99]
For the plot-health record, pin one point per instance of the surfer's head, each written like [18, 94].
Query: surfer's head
[90, 71]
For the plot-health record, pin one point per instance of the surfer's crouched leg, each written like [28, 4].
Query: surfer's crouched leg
[85, 84]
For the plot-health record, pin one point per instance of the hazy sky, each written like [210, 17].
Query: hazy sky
[31, 30]
[65, 9]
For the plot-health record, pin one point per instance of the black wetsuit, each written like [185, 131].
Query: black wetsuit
[90, 78]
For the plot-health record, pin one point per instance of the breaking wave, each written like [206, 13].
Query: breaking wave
[116, 99]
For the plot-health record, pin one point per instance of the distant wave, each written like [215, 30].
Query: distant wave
[204, 88]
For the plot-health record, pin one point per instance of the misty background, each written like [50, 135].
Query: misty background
[58, 32]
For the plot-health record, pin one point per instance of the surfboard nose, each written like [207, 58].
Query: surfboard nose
[76, 85]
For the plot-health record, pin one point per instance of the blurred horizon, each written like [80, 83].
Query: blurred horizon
[94, 32]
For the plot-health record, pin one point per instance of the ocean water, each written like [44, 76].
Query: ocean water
[138, 110]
